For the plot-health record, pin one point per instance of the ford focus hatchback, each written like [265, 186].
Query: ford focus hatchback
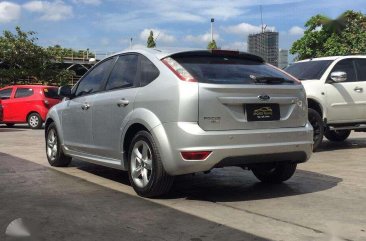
[159, 114]
[27, 104]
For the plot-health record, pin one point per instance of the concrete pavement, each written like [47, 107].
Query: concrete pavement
[323, 201]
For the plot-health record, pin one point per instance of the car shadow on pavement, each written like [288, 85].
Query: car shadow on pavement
[228, 184]
[20, 127]
[354, 143]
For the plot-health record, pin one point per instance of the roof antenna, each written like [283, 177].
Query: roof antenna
[156, 39]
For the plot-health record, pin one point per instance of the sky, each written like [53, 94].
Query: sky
[106, 26]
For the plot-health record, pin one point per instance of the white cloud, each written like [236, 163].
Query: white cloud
[9, 11]
[181, 17]
[222, 12]
[245, 29]
[88, 2]
[203, 38]
[241, 46]
[296, 30]
[52, 11]
[159, 35]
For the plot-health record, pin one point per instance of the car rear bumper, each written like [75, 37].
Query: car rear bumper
[230, 148]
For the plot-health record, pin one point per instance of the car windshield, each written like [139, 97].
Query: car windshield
[51, 93]
[232, 70]
[308, 70]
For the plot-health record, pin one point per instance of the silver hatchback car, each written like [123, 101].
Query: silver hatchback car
[159, 114]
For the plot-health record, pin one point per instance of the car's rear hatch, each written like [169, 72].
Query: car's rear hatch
[51, 96]
[240, 91]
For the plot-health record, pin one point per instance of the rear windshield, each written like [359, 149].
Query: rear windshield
[229, 70]
[308, 70]
[51, 93]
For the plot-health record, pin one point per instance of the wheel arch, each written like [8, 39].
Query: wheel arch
[140, 119]
[315, 104]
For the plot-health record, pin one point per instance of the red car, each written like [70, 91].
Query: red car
[27, 104]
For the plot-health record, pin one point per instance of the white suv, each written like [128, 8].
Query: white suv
[336, 93]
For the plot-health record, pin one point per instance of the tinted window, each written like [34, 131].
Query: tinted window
[308, 70]
[91, 83]
[23, 92]
[148, 71]
[51, 93]
[124, 72]
[346, 65]
[6, 93]
[228, 70]
[361, 69]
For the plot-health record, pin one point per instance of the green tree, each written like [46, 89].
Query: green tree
[150, 40]
[212, 45]
[345, 35]
[22, 58]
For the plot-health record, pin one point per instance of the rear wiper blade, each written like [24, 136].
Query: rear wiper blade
[269, 80]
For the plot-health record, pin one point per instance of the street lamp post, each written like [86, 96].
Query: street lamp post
[212, 21]
[131, 43]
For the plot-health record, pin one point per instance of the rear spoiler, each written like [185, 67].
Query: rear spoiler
[219, 52]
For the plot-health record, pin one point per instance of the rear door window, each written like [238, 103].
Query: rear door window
[148, 71]
[5, 93]
[51, 93]
[229, 70]
[124, 72]
[23, 92]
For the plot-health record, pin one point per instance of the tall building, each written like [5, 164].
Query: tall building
[283, 58]
[264, 44]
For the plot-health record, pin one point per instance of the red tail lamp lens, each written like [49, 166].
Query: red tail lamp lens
[195, 155]
[178, 70]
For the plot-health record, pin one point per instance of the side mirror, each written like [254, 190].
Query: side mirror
[338, 76]
[65, 91]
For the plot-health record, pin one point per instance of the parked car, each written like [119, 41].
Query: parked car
[27, 104]
[336, 94]
[160, 113]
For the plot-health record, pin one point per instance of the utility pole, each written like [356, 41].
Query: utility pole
[212, 21]
[131, 42]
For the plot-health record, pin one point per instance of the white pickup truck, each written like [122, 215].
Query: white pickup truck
[336, 93]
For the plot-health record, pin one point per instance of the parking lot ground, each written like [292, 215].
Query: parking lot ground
[325, 200]
[56, 206]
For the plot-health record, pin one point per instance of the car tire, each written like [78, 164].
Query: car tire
[274, 172]
[10, 125]
[337, 136]
[35, 121]
[145, 169]
[318, 125]
[54, 152]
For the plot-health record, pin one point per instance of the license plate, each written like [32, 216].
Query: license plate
[262, 112]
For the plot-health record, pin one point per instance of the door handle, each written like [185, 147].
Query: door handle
[85, 106]
[123, 102]
[358, 89]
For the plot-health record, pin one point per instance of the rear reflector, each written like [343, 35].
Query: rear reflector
[195, 155]
[178, 70]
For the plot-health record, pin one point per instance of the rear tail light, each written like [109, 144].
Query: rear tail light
[178, 70]
[195, 155]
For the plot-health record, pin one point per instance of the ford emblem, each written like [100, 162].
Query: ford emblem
[264, 97]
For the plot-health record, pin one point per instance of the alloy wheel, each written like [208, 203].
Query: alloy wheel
[52, 145]
[141, 164]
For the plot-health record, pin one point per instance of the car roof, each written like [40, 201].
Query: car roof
[162, 53]
[31, 86]
[332, 58]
